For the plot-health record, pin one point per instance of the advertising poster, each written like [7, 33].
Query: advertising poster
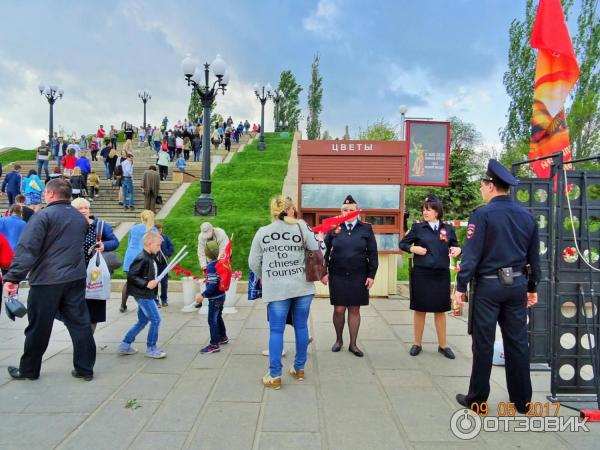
[428, 159]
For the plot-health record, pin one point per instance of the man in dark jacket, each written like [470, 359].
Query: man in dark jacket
[51, 251]
[12, 184]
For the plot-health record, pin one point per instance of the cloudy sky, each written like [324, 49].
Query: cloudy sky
[438, 57]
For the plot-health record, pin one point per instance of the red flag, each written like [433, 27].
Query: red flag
[223, 268]
[555, 75]
[332, 222]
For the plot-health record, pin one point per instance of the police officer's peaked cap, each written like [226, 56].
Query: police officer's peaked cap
[349, 200]
[497, 173]
[432, 199]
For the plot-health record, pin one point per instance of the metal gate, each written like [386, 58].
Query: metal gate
[537, 195]
[575, 363]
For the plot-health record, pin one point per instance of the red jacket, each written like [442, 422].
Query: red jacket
[6, 253]
[69, 161]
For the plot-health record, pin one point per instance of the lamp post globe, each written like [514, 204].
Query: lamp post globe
[198, 77]
[144, 95]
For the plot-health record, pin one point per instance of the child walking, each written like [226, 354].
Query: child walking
[93, 184]
[216, 299]
[143, 286]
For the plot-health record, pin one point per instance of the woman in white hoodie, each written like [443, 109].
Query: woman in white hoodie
[277, 258]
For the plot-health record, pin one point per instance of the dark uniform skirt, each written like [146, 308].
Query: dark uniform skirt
[430, 290]
[97, 309]
[348, 290]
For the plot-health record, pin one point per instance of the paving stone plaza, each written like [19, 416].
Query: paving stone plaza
[386, 400]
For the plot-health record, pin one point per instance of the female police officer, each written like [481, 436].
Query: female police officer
[432, 242]
[351, 259]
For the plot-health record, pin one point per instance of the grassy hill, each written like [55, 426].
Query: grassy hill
[16, 154]
[242, 190]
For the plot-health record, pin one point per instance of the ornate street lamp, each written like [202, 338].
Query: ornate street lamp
[277, 96]
[283, 125]
[403, 109]
[198, 78]
[263, 94]
[145, 96]
[52, 93]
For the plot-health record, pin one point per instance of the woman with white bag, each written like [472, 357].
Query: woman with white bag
[99, 238]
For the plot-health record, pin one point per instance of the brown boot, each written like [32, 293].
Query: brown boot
[271, 382]
[297, 374]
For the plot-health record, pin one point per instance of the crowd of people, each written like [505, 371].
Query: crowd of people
[53, 247]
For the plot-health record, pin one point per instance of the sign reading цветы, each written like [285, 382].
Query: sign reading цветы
[428, 152]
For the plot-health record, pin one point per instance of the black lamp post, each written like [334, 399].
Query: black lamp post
[145, 96]
[277, 97]
[52, 93]
[262, 96]
[197, 77]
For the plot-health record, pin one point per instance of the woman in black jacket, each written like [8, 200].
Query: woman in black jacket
[432, 242]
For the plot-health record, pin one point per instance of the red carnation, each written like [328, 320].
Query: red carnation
[196, 277]
[177, 268]
[187, 273]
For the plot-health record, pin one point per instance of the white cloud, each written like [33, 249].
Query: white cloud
[323, 20]
[477, 102]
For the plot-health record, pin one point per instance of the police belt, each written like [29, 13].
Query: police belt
[516, 273]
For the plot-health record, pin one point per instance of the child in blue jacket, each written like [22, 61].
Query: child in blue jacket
[216, 299]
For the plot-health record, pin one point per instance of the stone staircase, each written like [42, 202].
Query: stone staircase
[106, 204]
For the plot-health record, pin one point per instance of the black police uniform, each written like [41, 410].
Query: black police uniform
[500, 234]
[430, 277]
[351, 258]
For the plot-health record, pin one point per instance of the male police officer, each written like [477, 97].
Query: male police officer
[502, 239]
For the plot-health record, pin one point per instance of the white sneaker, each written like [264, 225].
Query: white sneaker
[266, 353]
[189, 308]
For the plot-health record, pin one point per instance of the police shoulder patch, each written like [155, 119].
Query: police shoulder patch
[471, 230]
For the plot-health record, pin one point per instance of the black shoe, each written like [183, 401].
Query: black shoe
[83, 377]
[356, 352]
[447, 352]
[461, 399]
[415, 350]
[336, 347]
[17, 375]
[521, 409]
[123, 308]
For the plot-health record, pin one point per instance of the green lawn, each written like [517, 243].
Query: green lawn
[242, 190]
[16, 154]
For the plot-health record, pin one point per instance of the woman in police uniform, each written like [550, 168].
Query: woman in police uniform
[351, 259]
[432, 242]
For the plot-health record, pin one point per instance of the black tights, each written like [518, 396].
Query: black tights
[339, 317]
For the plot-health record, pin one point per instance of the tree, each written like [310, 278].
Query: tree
[466, 165]
[379, 131]
[289, 106]
[346, 134]
[315, 95]
[195, 108]
[583, 115]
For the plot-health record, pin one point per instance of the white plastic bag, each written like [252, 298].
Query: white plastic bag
[97, 283]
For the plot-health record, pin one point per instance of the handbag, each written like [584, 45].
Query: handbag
[314, 262]
[254, 287]
[14, 308]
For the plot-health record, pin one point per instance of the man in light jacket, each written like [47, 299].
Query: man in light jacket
[210, 233]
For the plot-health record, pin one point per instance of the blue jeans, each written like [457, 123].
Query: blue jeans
[215, 319]
[278, 312]
[107, 170]
[127, 186]
[197, 155]
[164, 289]
[157, 146]
[43, 163]
[147, 312]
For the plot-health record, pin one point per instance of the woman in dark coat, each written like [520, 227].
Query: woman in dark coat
[432, 242]
[351, 259]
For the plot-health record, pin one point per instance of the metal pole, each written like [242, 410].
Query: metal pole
[205, 204]
[276, 115]
[261, 141]
[51, 126]
[144, 114]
